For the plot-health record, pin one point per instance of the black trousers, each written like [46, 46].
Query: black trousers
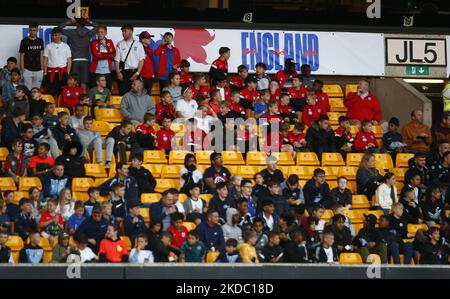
[125, 84]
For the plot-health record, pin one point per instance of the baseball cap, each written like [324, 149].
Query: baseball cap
[145, 35]
[289, 61]
[127, 26]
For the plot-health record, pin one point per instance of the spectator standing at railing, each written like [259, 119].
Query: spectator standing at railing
[31, 57]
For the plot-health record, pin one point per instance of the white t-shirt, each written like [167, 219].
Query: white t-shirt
[197, 205]
[269, 221]
[196, 176]
[143, 257]
[179, 207]
[329, 253]
[57, 54]
[187, 110]
[204, 123]
[137, 54]
[86, 255]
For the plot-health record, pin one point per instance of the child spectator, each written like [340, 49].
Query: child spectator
[174, 88]
[20, 100]
[5, 252]
[320, 137]
[43, 134]
[231, 230]
[341, 194]
[213, 104]
[261, 237]
[327, 253]
[261, 106]
[316, 190]
[94, 195]
[298, 95]
[76, 120]
[72, 93]
[245, 218]
[118, 201]
[145, 133]
[193, 250]
[165, 108]
[219, 67]
[295, 250]
[235, 187]
[286, 224]
[275, 91]
[26, 222]
[247, 250]
[231, 253]
[343, 135]
[50, 120]
[261, 76]
[297, 138]
[249, 94]
[280, 202]
[236, 108]
[272, 252]
[76, 219]
[194, 206]
[112, 248]
[165, 135]
[37, 104]
[100, 95]
[42, 163]
[287, 112]
[63, 132]
[144, 178]
[185, 76]
[169, 58]
[51, 223]
[178, 230]
[30, 146]
[15, 165]
[433, 207]
[107, 212]
[411, 210]
[72, 160]
[119, 141]
[386, 193]
[62, 250]
[195, 139]
[310, 228]
[86, 253]
[268, 215]
[12, 209]
[342, 235]
[5, 220]
[311, 111]
[9, 89]
[237, 82]
[134, 224]
[222, 201]
[147, 73]
[434, 252]
[322, 97]
[103, 53]
[66, 204]
[139, 254]
[200, 92]
[222, 88]
[204, 120]
[393, 140]
[187, 107]
[32, 253]
[260, 189]
[365, 140]
[398, 227]
[293, 192]
[11, 127]
[5, 72]
[369, 240]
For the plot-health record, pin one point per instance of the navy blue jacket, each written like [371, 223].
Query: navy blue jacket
[132, 230]
[9, 132]
[52, 185]
[93, 230]
[131, 188]
[24, 225]
[212, 236]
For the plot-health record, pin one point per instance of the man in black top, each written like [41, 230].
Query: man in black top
[144, 178]
[32, 58]
[271, 173]
[320, 137]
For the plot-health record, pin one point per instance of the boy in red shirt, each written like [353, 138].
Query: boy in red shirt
[342, 134]
[185, 76]
[237, 82]
[297, 138]
[365, 140]
[112, 248]
[311, 112]
[145, 133]
[275, 91]
[72, 93]
[194, 139]
[287, 112]
[298, 94]
[220, 66]
[224, 90]
[51, 224]
[279, 142]
[236, 107]
[249, 95]
[273, 117]
[165, 135]
[165, 108]
[200, 92]
[322, 98]
[41, 163]
[178, 230]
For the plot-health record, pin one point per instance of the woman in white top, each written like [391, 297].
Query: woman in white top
[386, 194]
[189, 174]
[66, 204]
[187, 107]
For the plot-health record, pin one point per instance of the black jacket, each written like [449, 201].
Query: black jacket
[144, 179]
[294, 252]
[37, 107]
[320, 141]
[9, 132]
[93, 230]
[276, 176]
[341, 238]
[59, 132]
[399, 227]
[433, 255]
[321, 256]
[128, 139]
[131, 188]
[270, 252]
[221, 206]
[24, 225]
[373, 235]
[73, 165]
[337, 196]
[316, 195]
[412, 214]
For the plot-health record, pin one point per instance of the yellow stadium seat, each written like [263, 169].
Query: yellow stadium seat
[337, 105]
[155, 157]
[182, 198]
[95, 170]
[18, 195]
[145, 213]
[247, 171]
[352, 186]
[102, 127]
[165, 184]
[232, 158]
[331, 174]
[177, 157]
[99, 181]
[357, 227]
[203, 157]
[333, 90]
[15, 243]
[284, 158]
[202, 168]
[48, 98]
[354, 216]
[284, 170]
[349, 172]
[149, 198]
[82, 184]
[7, 184]
[303, 172]
[155, 169]
[189, 225]
[399, 186]
[108, 115]
[354, 130]
[83, 196]
[256, 158]
[360, 202]
[402, 259]
[383, 161]
[354, 159]
[307, 159]
[61, 109]
[400, 173]
[26, 183]
[207, 198]
[376, 213]
[350, 259]
[115, 101]
[447, 213]
[332, 183]
[178, 128]
[212, 256]
[334, 117]
[350, 88]
[156, 99]
[378, 131]
[327, 215]
[171, 171]
[413, 228]
[3, 153]
[127, 241]
[401, 160]
[332, 159]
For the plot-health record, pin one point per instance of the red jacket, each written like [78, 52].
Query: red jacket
[179, 237]
[302, 93]
[71, 96]
[164, 110]
[276, 96]
[237, 82]
[98, 55]
[339, 133]
[199, 95]
[323, 102]
[310, 114]
[186, 79]
[282, 77]
[148, 71]
[286, 111]
[292, 138]
[227, 92]
[194, 141]
[220, 64]
[363, 139]
[161, 51]
[249, 95]
[237, 108]
[360, 109]
[164, 138]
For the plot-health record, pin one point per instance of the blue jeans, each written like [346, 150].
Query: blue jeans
[394, 250]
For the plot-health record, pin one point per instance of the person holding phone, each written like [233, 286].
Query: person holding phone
[416, 134]
[169, 59]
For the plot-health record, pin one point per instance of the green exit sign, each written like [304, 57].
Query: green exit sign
[417, 70]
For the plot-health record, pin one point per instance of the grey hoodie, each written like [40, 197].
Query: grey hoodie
[79, 40]
[175, 92]
[231, 231]
[135, 106]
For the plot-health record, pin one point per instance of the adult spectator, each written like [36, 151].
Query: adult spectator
[285, 77]
[79, 40]
[90, 139]
[32, 58]
[306, 78]
[219, 67]
[57, 63]
[247, 194]
[271, 173]
[439, 172]
[11, 127]
[148, 73]
[133, 223]
[129, 59]
[320, 138]
[136, 103]
[441, 130]
[174, 88]
[144, 178]
[161, 211]
[93, 228]
[216, 173]
[122, 176]
[436, 156]
[190, 175]
[54, 182]
[73, 160]
[368, 177]
[119, 140]
[419, 163]
[103, 54]
[211, 234]
[363, 105]
[416, 134]
[169, 59]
